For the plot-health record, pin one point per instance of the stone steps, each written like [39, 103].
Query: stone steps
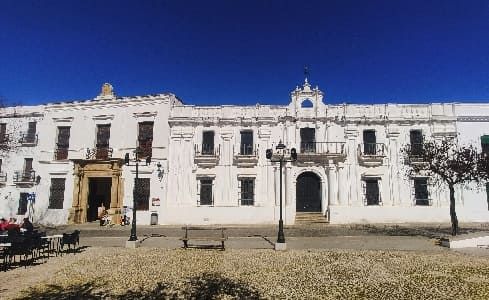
[304, 218]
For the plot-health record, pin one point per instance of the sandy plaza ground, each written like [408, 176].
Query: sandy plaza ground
[321, 262]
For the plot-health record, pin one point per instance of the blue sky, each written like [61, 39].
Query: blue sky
[245, 52]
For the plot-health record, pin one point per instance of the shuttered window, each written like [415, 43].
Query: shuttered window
[145, 139]
[247, 191]
[205, 196]
[22, 204]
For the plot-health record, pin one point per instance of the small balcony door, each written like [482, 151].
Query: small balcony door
[207, 143]
[246, 147]
[308, 140]
[369, 142]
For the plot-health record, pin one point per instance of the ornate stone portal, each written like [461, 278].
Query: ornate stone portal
[83, 171]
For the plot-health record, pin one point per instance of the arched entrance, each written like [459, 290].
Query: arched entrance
[308, 193]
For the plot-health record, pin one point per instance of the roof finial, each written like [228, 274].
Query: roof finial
[306, 73]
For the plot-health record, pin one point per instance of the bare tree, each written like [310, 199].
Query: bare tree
[445, 162]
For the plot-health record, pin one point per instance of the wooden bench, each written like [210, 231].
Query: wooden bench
[204, 233]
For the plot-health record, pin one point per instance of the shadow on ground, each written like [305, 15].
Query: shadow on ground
[205, 286]
[425, 231]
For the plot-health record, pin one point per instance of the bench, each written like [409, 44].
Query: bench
[204, 233]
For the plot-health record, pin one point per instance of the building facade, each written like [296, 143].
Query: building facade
[62, 161]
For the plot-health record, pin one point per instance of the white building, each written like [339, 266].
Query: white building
[208, 163]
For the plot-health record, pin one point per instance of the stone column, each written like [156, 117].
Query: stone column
[264, 187]
[287, 184]
[332, 199]
[226, 196]
[342, 185]
[393, 178]
[351, 134]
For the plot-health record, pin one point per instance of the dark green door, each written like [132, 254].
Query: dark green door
[308, 193]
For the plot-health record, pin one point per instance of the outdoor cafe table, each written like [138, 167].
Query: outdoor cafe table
[54, 243]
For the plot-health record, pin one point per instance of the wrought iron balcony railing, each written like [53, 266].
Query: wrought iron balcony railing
[99, 153]
[206, 149]
[29, 139]
[415, 152]
[372, 149]
[61, 154]
[3, 177]
[247, 150]
[422, 202]
[333, 148]
[25, 176]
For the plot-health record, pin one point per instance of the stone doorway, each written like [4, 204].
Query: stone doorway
[96, 181]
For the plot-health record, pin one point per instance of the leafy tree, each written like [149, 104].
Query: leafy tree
[483, 171]
[445, 162]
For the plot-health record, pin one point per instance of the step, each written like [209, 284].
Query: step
[310, 218]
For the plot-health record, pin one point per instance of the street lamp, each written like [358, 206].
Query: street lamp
[280, 156]
[133, 238]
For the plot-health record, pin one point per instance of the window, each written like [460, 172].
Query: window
[141, 193]
[63, 142]
[3, 176]
[3, 133]
[369, 142]
[246, 143]
[421, 195]
[27, 174]
[57, 193]
[487, 192]
[416, 141]
[103, 137]
[205, 197]
[145, 139]
[247, 188]
[22, 204]
[208, 143]
[371, 191]
[31, 133]
[485, 144]
[307, 104]
[308, 140]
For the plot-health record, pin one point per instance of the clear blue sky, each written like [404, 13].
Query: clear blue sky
[245, 51]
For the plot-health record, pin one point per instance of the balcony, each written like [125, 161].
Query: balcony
[320, 152]
[371, 154]
[415, 154]
[246, 156]
[61, 154]
[422, 202]
[206, 155]
[28, 139]
[24, 177]
[99, 153]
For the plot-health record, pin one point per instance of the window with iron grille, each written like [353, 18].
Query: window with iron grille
[3, 133]
[246, 147]
[421, 194]
[205, 196]
[416, 142]
[247, 191]
[372, 194]
[145, 139]
[369, 142]
[308, 140]
[141, 193]
[208, 143]
[63, 142]
[22, 204]
[57, 193]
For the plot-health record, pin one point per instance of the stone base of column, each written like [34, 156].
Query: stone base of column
[132, 244]
[280, 246]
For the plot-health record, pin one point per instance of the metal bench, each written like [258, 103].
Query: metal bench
[203, 234]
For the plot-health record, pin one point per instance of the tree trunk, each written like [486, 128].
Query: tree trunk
[453, 214]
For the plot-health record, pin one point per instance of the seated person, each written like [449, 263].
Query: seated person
[13, 226]
[27, 225]
[3, 224]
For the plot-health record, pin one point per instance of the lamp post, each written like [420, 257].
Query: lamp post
[280, 157]
[131, 243]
